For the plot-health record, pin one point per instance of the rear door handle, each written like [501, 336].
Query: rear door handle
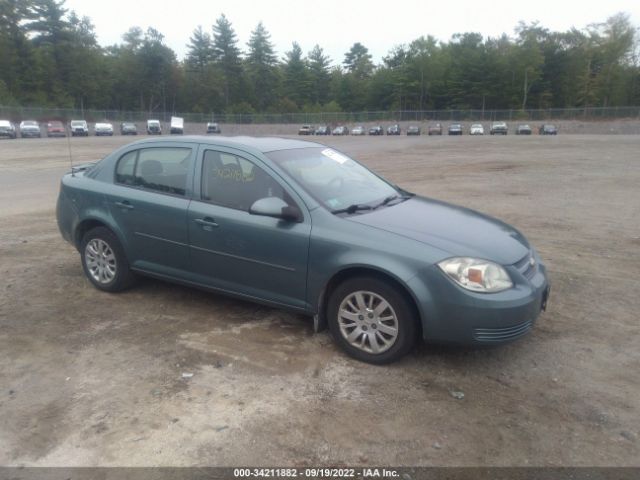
[124, 204]
[206, 222]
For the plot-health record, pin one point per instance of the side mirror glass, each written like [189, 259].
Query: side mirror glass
[275, 207]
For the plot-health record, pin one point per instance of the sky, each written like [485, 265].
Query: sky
[336, 25]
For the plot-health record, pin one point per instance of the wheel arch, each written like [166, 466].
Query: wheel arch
[91, 222]
[320, 319]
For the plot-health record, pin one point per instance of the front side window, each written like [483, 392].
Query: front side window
[235, 182]
[159, 169]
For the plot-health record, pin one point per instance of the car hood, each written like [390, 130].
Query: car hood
[457, 230]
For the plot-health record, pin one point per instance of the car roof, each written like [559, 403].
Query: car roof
[262, 144]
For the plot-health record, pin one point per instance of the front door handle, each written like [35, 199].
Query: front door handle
[206, 222]
[124, 204]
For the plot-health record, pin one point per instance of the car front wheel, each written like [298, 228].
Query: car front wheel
[371, 320]
[104, 261]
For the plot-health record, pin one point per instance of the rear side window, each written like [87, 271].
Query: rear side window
[162, 170]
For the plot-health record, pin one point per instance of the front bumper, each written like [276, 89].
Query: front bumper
[452, 314]
[30, 134]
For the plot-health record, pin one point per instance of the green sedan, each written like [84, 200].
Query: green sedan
[301, 226]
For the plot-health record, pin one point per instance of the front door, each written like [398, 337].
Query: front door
[233, 250]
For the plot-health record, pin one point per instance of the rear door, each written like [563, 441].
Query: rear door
[149, 200]
[233, 250]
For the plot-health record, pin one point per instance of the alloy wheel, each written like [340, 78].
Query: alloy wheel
[100, 261]
[368, 322]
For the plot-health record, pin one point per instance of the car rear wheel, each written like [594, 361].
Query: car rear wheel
[371, 320]
[104, 262]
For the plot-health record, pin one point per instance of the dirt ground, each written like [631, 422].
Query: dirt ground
[88, 378]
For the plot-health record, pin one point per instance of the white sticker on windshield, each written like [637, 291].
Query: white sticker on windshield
[335, 156]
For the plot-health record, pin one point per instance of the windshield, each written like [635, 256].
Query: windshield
[77, 123]
[29, 123]
[332, 178]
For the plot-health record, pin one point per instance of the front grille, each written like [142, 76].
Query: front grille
[524, 266]
[501, 334]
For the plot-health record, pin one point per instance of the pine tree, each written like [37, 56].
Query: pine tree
[297, 83]
[227, 55]
[320, 75]
[261, 67]
[199, 49]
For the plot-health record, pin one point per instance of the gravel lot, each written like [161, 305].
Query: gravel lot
[88, 378]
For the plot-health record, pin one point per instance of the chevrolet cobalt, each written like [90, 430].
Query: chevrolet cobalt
[301, 226]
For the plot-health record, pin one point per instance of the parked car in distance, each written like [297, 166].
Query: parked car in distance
[476, 129]
[56, 129]
[177, 126]
[340, 130]
[499, 128]
[413, 130]
[30, 129]
[7, 129]
[358, 130]
[435, 129]
[79, 128]
[103, 129]
[523, 129]
[394, 129]
[128, 128]
[323, 130]
[377, 130]
[154, 127]
[213, 127]
[307, 130]
[381, 267]
[455, 129]
[548, 129]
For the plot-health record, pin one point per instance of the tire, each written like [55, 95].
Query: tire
[110, 271]
[399, 315]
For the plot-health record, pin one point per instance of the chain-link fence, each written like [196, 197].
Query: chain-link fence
[17, 114]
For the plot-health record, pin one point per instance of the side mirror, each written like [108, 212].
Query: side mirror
[275, 207]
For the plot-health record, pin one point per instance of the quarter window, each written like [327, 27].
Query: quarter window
[160, 169]
[126, 169]
[234, 182]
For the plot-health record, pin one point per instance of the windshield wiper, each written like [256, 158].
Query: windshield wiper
[352, 208]
[390, 199]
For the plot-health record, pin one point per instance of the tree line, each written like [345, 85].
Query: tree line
[50, 56]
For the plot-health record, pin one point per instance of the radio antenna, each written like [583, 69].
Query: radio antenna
[68, 134]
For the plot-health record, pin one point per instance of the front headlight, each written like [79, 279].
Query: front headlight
[477, 275]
